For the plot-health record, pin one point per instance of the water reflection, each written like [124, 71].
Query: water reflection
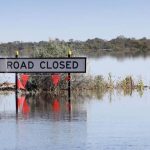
[43, 122]
[23, 106]
[56, 108]
[114, 121]
[7, 102]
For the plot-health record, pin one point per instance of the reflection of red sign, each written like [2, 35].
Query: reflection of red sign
[56, 106]
[20, 102]
[26, 108]
[20, 86]
[24, 79]
[55, 79]
[23, 106]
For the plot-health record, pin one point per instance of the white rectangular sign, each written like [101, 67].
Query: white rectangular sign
[51, 65]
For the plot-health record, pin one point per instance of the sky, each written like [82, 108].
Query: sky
[38, 20]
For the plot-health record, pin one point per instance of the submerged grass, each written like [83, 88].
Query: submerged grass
[81, 84]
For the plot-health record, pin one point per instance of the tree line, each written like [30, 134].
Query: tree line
[118, 47]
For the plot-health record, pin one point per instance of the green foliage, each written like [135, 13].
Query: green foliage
[119, 47]
[51, 50]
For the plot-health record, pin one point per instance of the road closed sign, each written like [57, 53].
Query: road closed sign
[43, 65]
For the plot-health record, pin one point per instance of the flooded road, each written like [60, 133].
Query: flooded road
[111, 122]
[107, 121]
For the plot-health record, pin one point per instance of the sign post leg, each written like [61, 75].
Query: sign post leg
[16, 80]
[69, 80]
[69, 87]
[16, 93]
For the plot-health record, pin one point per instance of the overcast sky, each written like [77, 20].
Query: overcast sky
[36, 20]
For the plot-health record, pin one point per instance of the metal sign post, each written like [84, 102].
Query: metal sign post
[69, 81]
[16, 80]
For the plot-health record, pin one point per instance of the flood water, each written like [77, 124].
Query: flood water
[110, 121]
[113, 122]
[138, 68]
